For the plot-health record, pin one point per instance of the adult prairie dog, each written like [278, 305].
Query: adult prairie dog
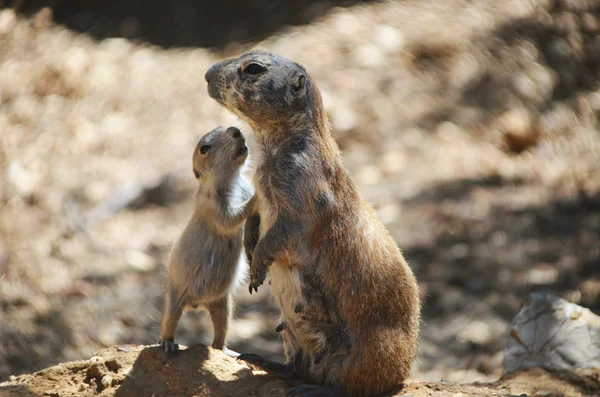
[207, 263]
[349, 301]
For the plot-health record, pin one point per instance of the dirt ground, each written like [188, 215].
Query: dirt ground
[144, 371]
[471, 126]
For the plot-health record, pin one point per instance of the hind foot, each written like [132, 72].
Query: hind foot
[169, 346]
[314, 391]
[284, 371]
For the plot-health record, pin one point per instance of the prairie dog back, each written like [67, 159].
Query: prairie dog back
[206, 264]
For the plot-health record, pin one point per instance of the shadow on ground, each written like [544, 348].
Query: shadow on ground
[561, 39]
[501, 255]
[185, 23]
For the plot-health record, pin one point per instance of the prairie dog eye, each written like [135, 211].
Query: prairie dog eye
[204, 149]
[254, 68]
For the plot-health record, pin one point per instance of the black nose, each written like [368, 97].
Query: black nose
[210, 74]
[235, 132]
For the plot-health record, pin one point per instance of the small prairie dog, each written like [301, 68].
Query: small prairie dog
[207, 264]
[349, 301]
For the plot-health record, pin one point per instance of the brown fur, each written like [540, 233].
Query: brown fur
[206, 262]
[349, 300]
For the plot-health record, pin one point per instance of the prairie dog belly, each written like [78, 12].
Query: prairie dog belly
[285, 281]
[286, 287]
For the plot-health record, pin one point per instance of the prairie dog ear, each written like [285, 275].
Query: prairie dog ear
[299, 85]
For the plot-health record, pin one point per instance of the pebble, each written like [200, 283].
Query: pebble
[107, 381]
[518, 130]
[139, 260]
[243, 373]
[542, 275]
[388, 38]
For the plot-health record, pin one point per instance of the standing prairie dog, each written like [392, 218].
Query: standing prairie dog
[349, 301]
[207, 263]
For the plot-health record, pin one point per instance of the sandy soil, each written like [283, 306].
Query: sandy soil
[143, 371]
[472, 127]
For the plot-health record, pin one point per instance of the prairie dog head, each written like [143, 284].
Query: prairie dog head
[219, 154]
[264, 89]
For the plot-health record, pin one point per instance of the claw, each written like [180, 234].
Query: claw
[170, 347]
[250, 289]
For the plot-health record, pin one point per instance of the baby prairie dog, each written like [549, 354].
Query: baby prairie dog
[349, 301]
[207, 264]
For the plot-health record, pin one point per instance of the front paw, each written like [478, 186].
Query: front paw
[258, 274]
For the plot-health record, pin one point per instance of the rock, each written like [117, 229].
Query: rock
[519, 130]
[146, 371]
[550, 332]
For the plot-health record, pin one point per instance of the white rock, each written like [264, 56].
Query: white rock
[550, 332]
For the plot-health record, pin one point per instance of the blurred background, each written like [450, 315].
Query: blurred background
[471, 126]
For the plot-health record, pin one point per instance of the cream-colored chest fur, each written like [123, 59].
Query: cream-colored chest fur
[285, 281]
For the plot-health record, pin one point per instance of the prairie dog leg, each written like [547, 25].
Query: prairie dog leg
[172, 313]
[220, 314]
